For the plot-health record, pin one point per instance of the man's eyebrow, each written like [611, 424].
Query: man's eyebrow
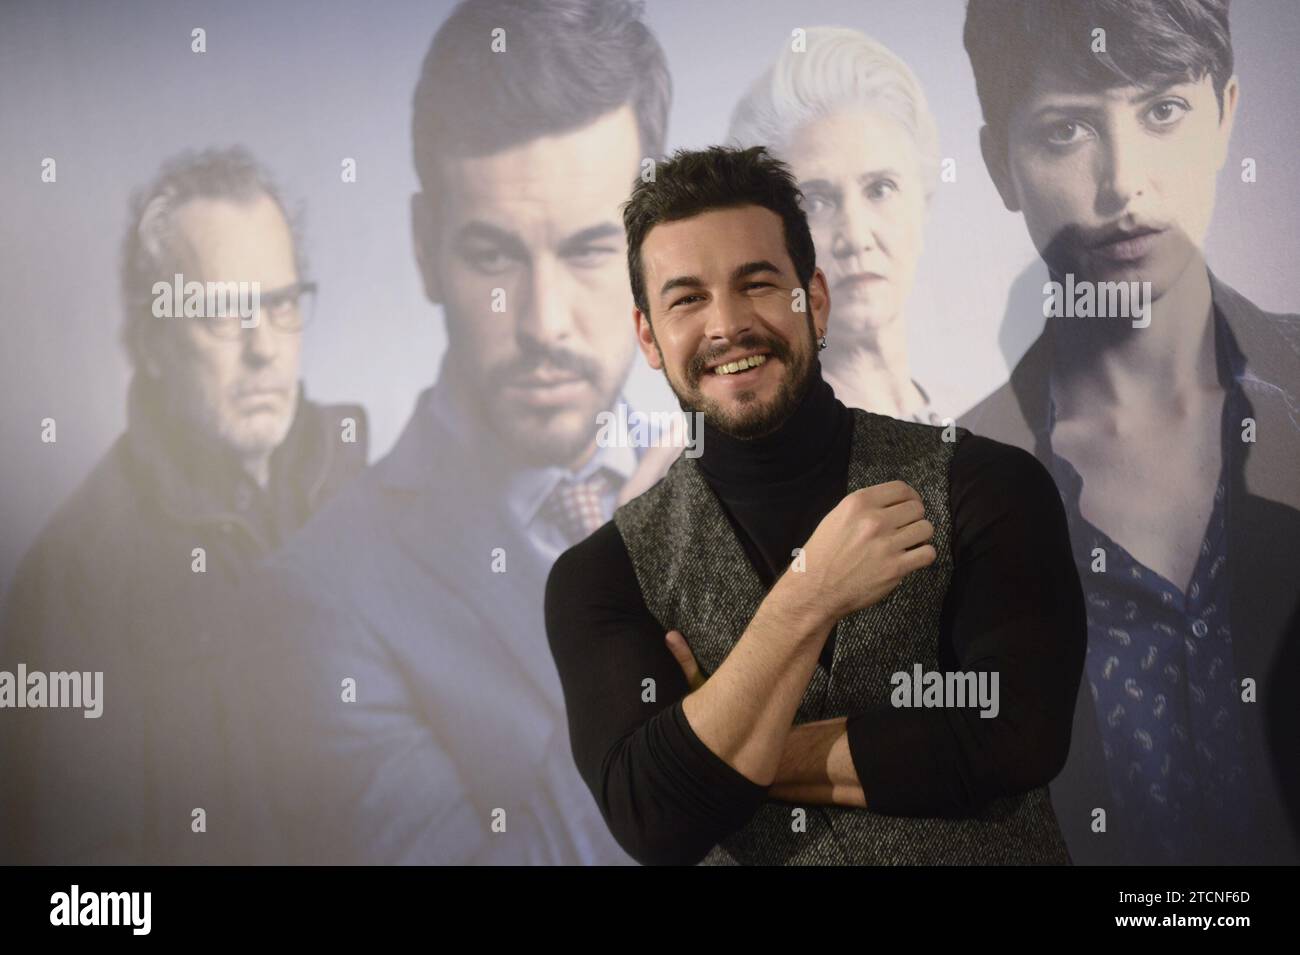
[485, 232]
[594, 233]
[282, 290]
[739, 272]
[750, 268]
[680, 281]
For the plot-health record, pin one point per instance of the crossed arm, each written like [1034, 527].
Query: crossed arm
[1015, 607]
[671, 786]
[815, 765]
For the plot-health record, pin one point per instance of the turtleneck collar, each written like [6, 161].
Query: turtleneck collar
[800, 445]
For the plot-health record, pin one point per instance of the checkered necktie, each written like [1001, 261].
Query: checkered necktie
[576, 508]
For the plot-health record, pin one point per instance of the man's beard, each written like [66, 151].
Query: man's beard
[554, 440]
[556, 436]
[757, 419]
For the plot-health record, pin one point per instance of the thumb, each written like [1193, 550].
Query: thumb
[685, 659]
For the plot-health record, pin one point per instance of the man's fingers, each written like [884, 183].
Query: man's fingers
[918, 532]
[916, 558]
[907, 512]
[685, 659]
[891, 492]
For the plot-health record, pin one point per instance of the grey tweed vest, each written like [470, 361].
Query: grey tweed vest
[696, 578]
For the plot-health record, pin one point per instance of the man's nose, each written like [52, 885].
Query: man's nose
[545, 316]
[261, 341]
[729, 317]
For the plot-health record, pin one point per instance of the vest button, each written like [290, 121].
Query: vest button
[1200, 628]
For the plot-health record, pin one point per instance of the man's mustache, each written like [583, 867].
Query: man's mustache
[699, 365]
[551, 363]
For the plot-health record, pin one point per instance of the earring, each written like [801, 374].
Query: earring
[821, 343]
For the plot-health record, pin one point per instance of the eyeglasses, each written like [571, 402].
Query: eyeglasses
[288, 310]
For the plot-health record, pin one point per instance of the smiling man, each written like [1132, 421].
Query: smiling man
[1173, 438]
[728, 642]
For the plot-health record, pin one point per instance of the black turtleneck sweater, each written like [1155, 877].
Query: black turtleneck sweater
[1014, 605]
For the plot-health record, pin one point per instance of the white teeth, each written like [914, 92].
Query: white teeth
[740, 365]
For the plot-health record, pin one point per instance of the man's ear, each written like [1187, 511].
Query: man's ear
[645, 337]
[422, 225]
[994, 150]
[819, 304]
[1231, 93]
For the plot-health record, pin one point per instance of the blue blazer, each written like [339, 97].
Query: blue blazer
[455, 746]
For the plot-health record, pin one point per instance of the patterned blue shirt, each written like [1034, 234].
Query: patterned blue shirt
[1160, 664]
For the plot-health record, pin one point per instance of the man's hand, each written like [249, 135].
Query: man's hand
[816, 766]
[685, 659]
[855, 558]
[858, 554]
[865, 546]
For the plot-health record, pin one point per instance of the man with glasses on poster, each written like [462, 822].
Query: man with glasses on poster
[222, 457]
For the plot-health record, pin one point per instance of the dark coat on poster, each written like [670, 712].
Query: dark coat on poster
[111, 585]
